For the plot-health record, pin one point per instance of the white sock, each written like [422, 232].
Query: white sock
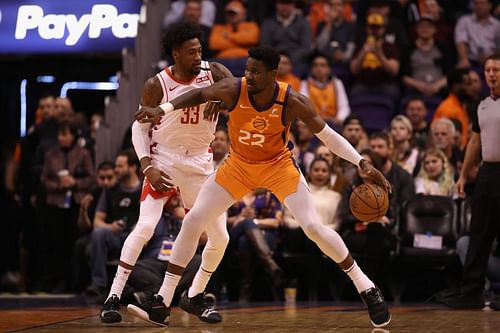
[119, 281]
[200, 281]
[168, 286]
[360, 280]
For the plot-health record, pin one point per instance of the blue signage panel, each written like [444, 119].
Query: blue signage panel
[67, 26]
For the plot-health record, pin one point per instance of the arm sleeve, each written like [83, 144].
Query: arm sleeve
[339, 145]
[141, 139]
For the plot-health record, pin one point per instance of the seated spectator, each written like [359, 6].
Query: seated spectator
[443, 22]
[435, 177]
[253, 223]
[395, 32]
[405, 155]
[443, 137]
[326, 200]
[376, 62]
[453, 106]
[236, 36]
[337, 180]
[476, 93]
[105, 179]
[371, 243]
[187, 9]
[327, 93]
[116, 214]
[416, 111]
[477, 35]
[335, 36]
[285, 71]
[220, 147]
[354, 132]
[425, 65]
[67, 174]
[288, 31]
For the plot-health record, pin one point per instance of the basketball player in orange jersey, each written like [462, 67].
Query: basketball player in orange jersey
[174, 152]
[261, 113]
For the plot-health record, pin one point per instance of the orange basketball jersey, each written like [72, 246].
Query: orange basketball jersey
[259, 134]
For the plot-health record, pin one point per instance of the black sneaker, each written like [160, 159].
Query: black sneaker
[110, 310]
[377, 308]
[199, 307]
[151, 309]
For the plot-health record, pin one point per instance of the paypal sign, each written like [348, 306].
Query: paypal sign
[61, 26]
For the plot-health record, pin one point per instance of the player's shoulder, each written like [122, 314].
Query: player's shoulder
[219, 71]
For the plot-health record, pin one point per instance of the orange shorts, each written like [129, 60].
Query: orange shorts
[238, 177]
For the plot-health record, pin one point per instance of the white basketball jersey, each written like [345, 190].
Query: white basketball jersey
[184, 128]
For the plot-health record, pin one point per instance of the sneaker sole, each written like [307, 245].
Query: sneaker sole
[111, 318]
[383, 324]
[141, 314]
[203, 319]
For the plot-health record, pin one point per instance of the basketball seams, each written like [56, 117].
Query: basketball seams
[360, 198]
[376, 199]
[361, 204]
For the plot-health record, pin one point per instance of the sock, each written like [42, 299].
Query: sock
[168, 286]
[199, 282]
[119, 281]
[360, 280]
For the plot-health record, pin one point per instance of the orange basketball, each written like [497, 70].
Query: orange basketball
[369, 202]
[259, 124]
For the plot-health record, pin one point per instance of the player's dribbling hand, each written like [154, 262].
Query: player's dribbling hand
[369, 172]
[211, 110]
[147, 114]
[159, 179]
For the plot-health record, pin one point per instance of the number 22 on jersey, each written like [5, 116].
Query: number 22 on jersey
[251, 139]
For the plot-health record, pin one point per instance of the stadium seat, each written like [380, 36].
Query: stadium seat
[376, 111]
[422, 217]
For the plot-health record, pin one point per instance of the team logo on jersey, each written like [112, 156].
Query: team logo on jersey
[260, 123]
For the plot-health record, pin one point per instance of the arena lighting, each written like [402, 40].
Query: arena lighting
[22, 121]
[76, 85]
[45, 79]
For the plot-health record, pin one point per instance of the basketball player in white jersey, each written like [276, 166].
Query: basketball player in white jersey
[174, 153]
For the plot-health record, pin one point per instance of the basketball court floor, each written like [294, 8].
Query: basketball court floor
[64, 316]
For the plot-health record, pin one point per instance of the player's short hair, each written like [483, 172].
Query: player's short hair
[178, 34]
[269, 56]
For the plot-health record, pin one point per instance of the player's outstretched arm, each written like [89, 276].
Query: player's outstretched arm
[224, 90]
[302, 108]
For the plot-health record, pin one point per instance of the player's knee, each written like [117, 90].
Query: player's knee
[144, 230]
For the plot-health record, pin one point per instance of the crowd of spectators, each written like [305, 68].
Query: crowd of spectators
[65, 219]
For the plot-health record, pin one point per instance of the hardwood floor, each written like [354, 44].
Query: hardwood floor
[266, 319]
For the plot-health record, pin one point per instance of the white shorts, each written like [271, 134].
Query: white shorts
[188, 170]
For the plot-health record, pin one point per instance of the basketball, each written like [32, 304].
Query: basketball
[368, 202]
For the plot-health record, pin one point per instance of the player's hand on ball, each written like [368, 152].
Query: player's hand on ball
[148, 114]
[369, 172]
[211, 110]
[159, 179]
